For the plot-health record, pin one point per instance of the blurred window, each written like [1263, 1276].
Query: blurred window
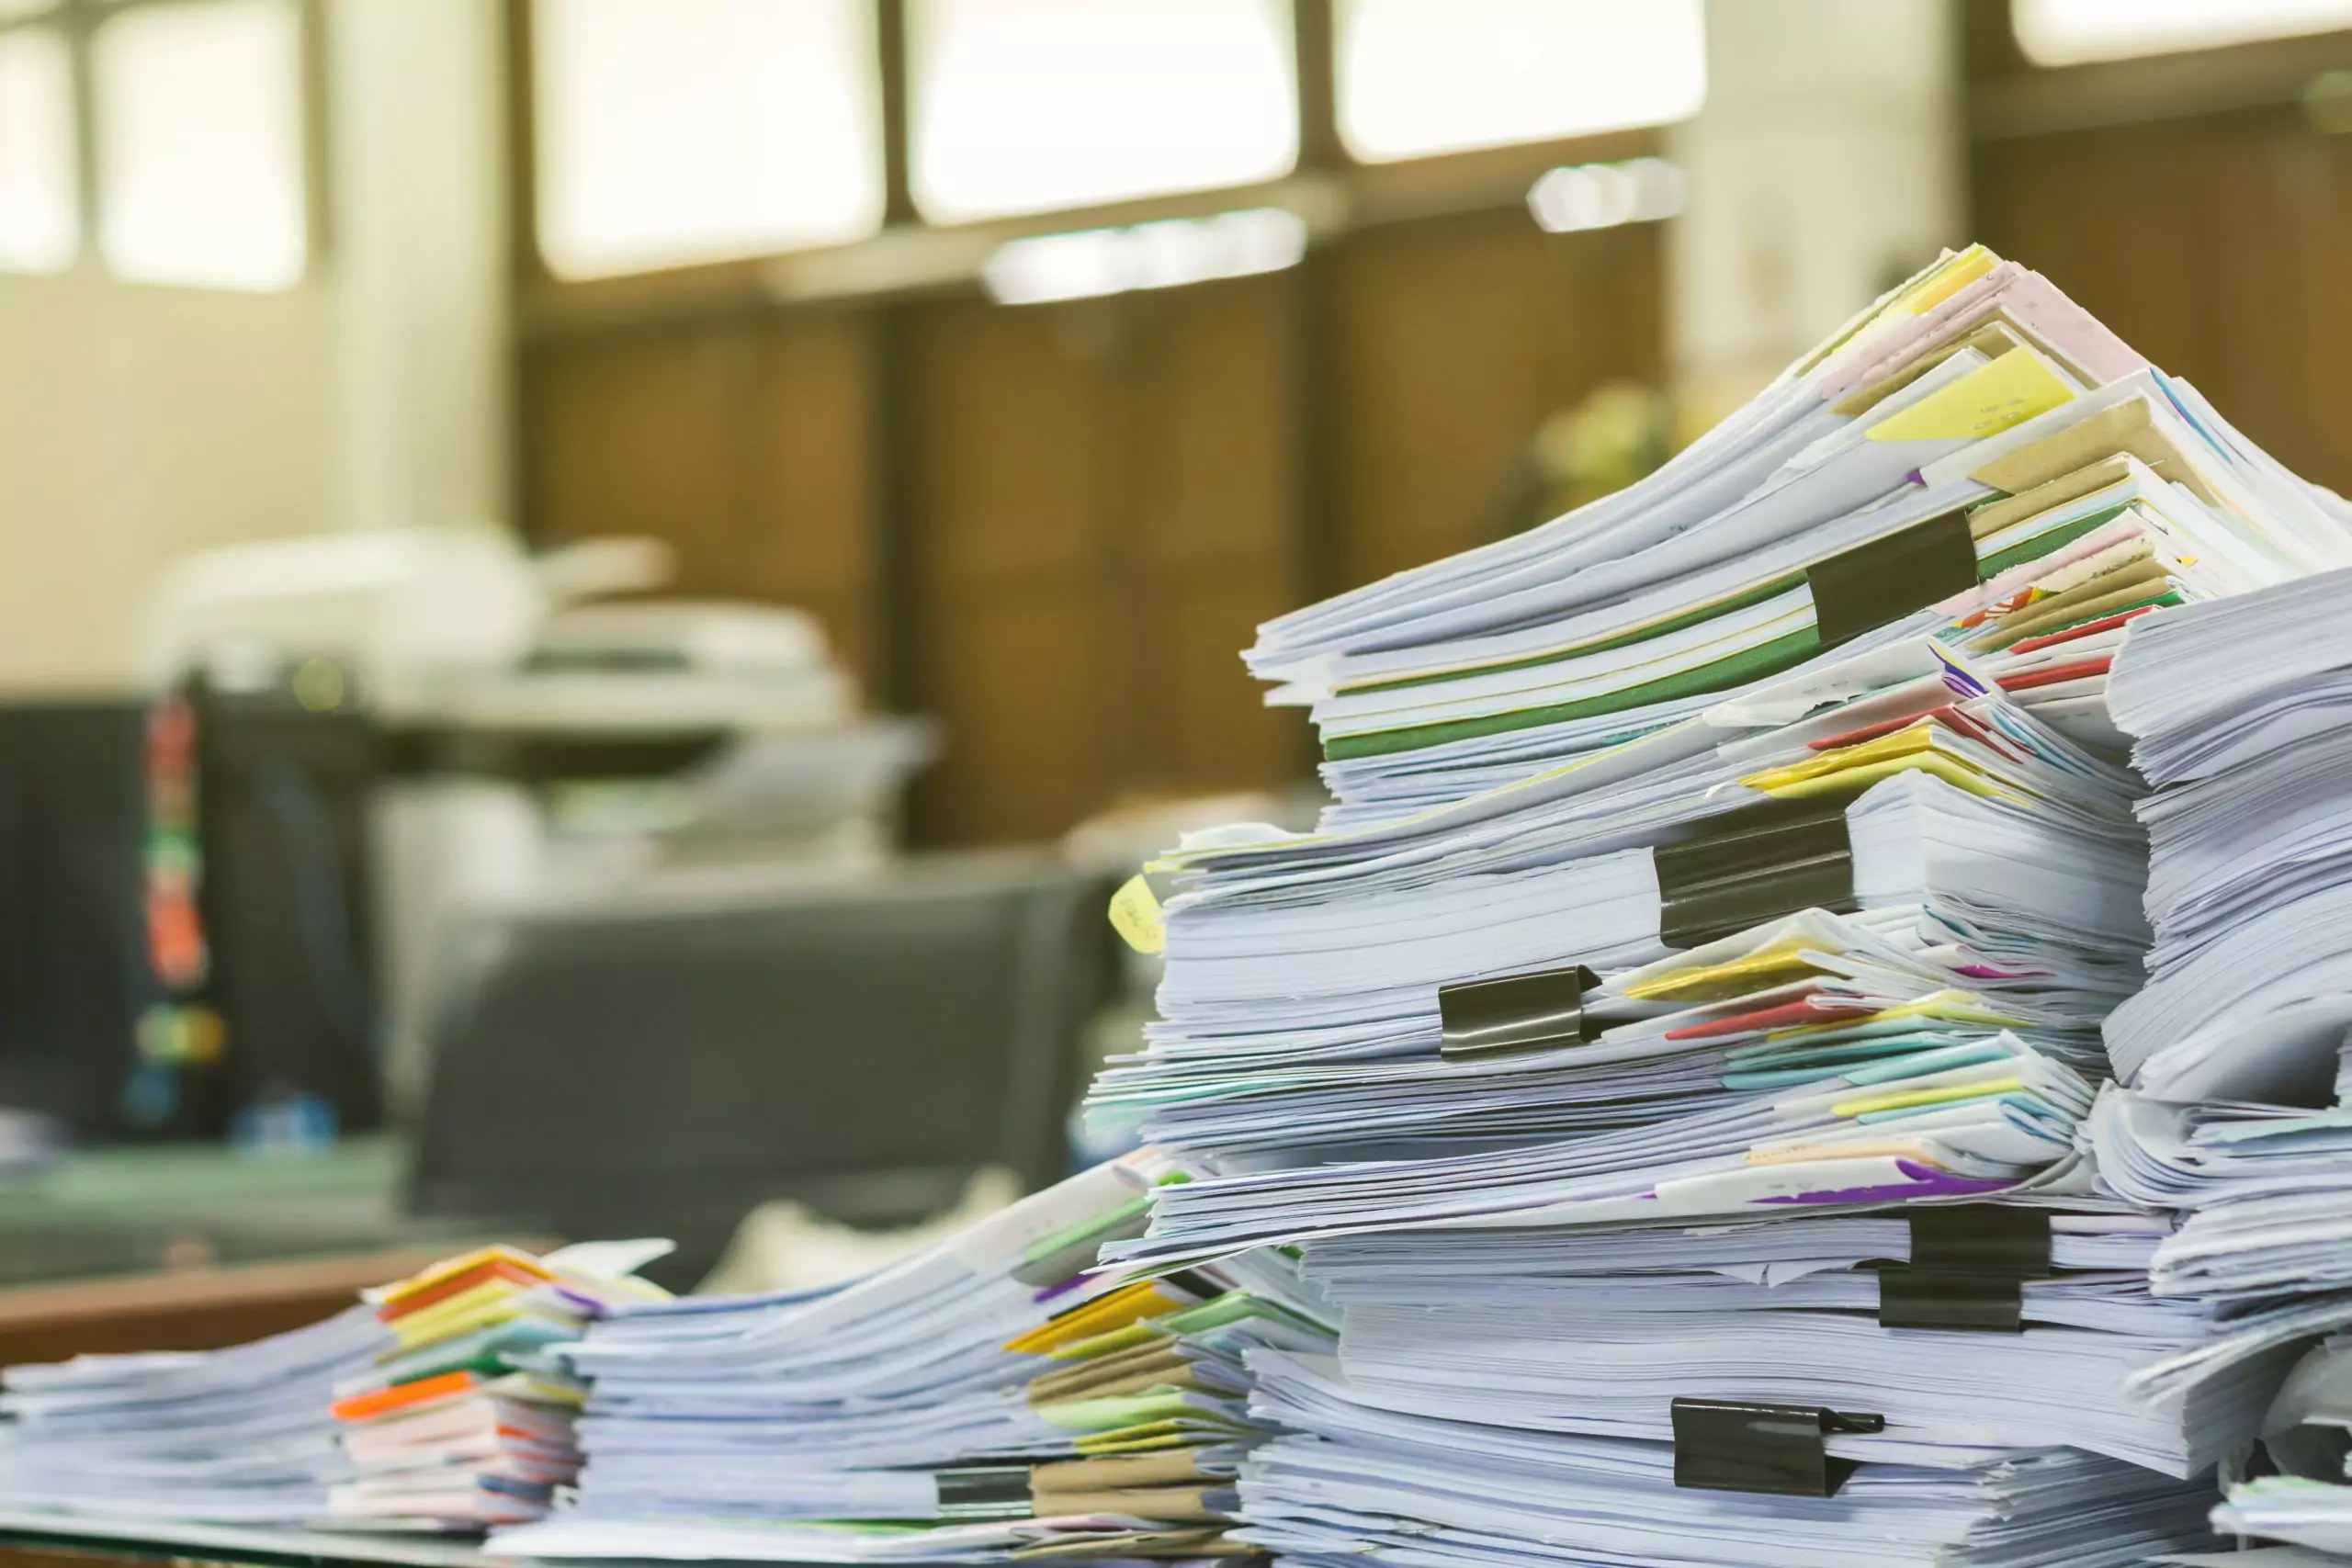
[1424, 76]
[199, 138]
[674, 132]
[2067, 33]
[16, 11]
[41, 226]
[1031, 106]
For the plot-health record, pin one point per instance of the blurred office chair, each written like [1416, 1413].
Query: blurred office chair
[661, 1061]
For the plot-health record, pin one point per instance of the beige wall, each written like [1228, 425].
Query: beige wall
[1826, 164]
[137, 423]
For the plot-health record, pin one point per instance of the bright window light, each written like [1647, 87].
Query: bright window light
[40, 223]
[2069, 32]
[15, 10]
[199, 111]
[675, 132]
[1029, 105]
[1163, 254]
[1422, 76]
[1602, 195]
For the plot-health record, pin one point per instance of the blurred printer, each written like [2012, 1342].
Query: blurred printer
[388, 729]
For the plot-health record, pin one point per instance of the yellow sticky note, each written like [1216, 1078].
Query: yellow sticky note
[1135, 916]
[1986, 402]
[1906, 1101]
[1776, 965]
[1127, 1305]
[1949, 278]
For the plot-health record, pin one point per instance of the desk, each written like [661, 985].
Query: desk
[199, 1309]
[59, 1540]
[136, 1210]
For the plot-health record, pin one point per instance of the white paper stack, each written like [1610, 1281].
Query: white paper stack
[2234, 1100]
[240, 1436]
[2100, 487]
[1754, 846]
[904, 1416]
[463, 1423]
[1940, 1039]
[1545, 1332]
[1360, 1478]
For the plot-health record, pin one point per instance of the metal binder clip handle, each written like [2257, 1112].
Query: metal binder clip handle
[1516, 1012]
[1780, 1449]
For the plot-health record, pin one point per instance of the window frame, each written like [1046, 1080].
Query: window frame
[912, 256]
[76, 23]
[2011, 97]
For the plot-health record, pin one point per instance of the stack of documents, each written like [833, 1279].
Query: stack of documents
[1797, 753]
[988, 1397]
[1598, 1333]
[240, 1436]
[1499, 1390]
[1127, 1373]
[2305, 1496]
[463, 1422]
[2242, 713]
[1360, 1478]
[2234, 1100]
[1937, 1039]
[1717, 864]
[1976, 413]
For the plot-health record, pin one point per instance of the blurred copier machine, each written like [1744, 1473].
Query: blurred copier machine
[384, 734]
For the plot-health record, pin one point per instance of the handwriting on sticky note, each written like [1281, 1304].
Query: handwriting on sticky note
[1135, 916]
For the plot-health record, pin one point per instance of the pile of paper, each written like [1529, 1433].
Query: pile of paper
[240, 1436]
[2235, 1104]
[1153, 1379]
[1939, 1038]
[986, 1397]
[464, 1421]
[1847, 880]
[1754, 847]
[2097, 486]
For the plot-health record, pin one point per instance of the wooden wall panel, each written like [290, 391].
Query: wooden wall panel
[1011, 420]
[1212, 544]
[2215, 245]
[1092, 504]
[744, 443]
[1102, 516]
[1453, 339]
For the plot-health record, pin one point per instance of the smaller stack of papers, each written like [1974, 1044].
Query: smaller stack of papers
[1505, 1394]
[240, 1436]
[1599, 1334]
[2235, 1101]
[1932, 1033]
[2240, 712]
[990, 1397]
[1152, 1380]
[464, 1422]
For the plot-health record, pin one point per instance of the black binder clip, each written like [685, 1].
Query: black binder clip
[1751, 865]
[1968, 1269]
[1514, 1013]
[1732, 1446]
[1862, 589]
[984, 1492]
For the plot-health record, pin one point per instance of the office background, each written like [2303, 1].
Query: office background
[1036, 349]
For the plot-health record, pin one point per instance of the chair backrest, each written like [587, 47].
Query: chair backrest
[662, 1064]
